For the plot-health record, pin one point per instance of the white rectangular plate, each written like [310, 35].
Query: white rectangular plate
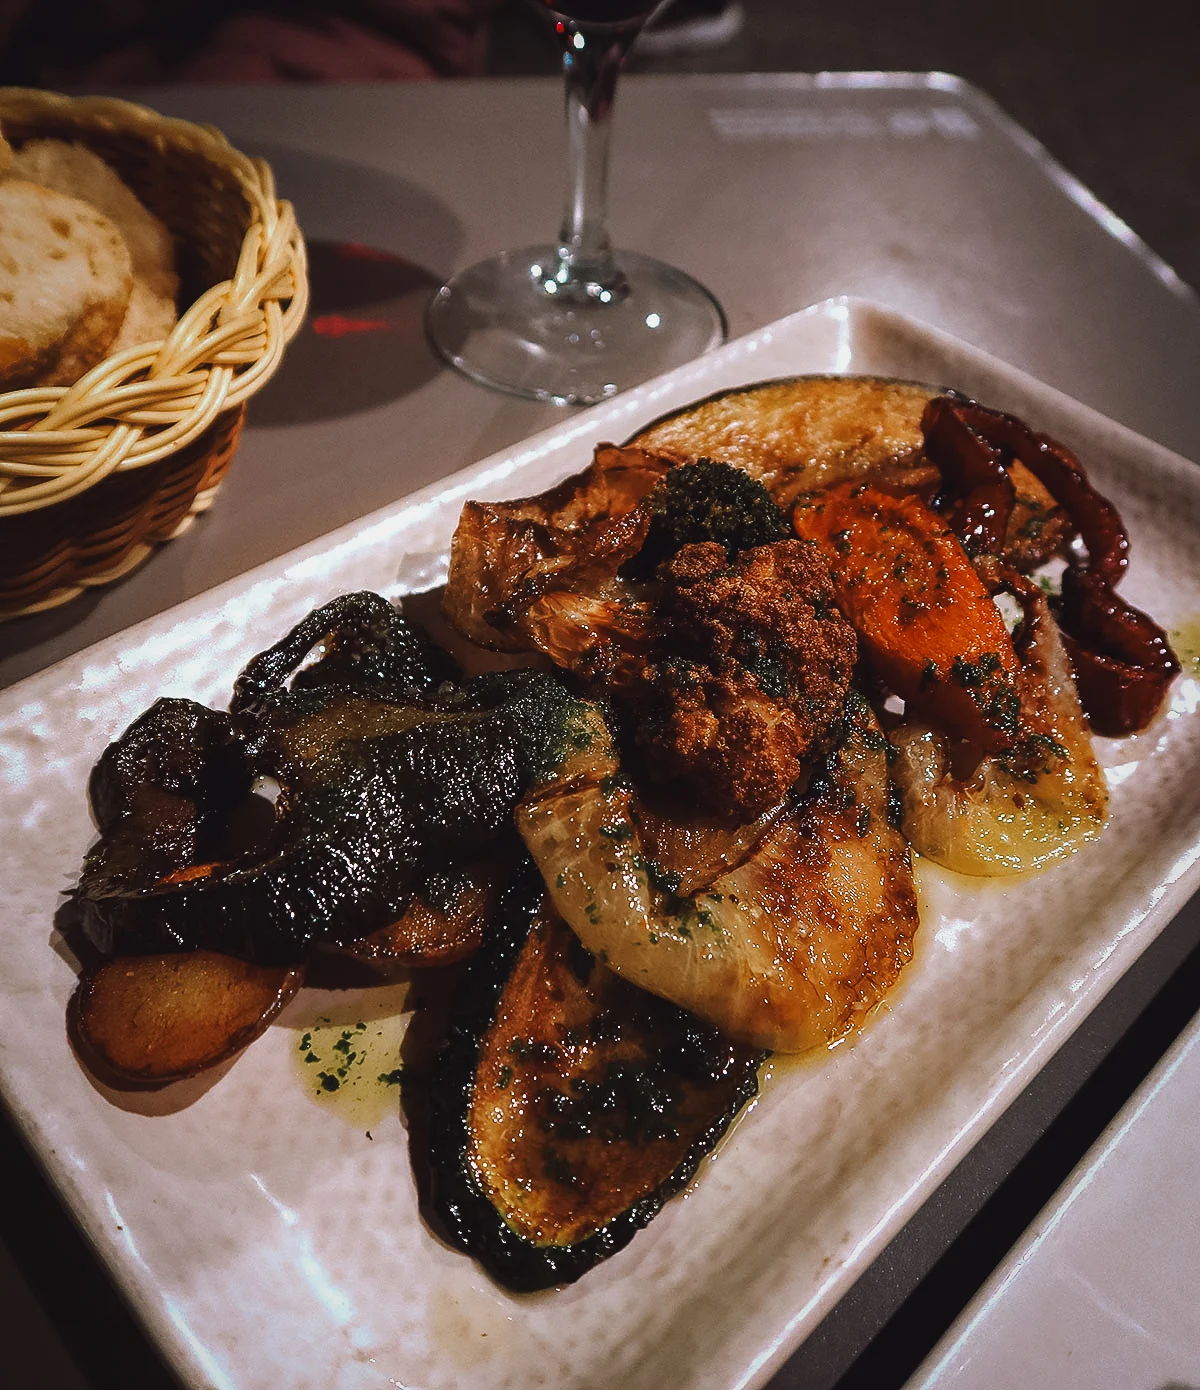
[268, 1239]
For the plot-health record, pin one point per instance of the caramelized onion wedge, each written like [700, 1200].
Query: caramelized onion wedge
[434, 932]
[1009, 816]
[789, 950]
[573, 537]
[147, 1020]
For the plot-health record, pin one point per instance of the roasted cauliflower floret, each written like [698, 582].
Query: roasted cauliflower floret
[749, 676]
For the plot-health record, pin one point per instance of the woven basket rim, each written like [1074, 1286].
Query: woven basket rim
[138, 406]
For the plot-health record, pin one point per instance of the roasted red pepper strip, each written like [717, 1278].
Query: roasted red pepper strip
[978, 492]
[1095, 518]
[1123, 661]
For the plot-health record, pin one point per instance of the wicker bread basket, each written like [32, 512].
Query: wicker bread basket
[93, 475]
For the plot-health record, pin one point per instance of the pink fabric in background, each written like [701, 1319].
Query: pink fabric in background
[75, 44]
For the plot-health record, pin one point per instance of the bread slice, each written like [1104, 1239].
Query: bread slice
[75, 170]
[65, 281]
[149, 319]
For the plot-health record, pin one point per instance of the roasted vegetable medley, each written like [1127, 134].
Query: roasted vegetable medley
[754, 660]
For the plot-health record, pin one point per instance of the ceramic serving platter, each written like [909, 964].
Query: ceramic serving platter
[268, 1232]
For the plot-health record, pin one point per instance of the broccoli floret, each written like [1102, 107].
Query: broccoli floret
[706, 501]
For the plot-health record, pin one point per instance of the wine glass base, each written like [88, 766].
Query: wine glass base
[500, 324]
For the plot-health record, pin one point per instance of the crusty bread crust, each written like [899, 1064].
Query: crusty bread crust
[65, 281]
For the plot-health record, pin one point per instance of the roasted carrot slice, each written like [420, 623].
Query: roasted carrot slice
[147, 1020]
[924, 617]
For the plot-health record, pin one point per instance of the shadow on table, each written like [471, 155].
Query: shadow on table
[374, 242]
[363, 343]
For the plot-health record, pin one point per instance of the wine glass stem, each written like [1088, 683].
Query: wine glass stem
[592, 59]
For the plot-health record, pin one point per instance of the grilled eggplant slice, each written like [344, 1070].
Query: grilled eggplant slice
[386, 770]
[567, 1105]
[800, 434]
[148, 1020]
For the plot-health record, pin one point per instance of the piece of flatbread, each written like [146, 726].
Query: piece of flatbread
[65, 281]
[6, 154]
[75, 170]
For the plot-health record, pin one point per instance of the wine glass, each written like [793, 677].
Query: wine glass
[575, 322]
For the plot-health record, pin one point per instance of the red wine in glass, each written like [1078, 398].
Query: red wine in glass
[575, 322]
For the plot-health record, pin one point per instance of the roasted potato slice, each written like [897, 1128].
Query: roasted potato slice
[147, 1020]
[436, 928]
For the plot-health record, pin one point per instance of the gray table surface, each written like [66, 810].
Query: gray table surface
[776, 192]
